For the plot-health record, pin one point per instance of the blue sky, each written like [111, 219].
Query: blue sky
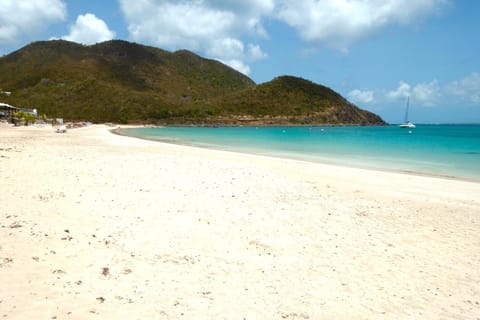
[373, 52]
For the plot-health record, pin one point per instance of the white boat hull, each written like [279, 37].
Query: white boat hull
[407, 125]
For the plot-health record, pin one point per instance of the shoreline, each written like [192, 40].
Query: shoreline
[325, 161]
[98, 225]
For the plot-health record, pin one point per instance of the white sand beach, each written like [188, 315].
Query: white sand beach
[99, 226]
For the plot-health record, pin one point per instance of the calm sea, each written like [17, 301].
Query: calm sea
[444, 150]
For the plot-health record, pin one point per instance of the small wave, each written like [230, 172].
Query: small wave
[471, 152]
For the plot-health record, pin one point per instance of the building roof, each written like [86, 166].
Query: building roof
[7, 106]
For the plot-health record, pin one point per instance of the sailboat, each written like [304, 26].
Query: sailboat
[407, 123]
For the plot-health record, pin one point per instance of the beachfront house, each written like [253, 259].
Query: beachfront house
[6, 110]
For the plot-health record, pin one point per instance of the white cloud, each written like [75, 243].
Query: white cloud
[403, 90]
[462, 92]
[237, 65]
[212, 27]
[427, 93]
[359, 96]
[467, 89]
[88, 29]
[226, 48]
[339, 23]
[20, 18]
[255, 52]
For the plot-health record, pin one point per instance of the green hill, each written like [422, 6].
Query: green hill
[292, 100]
[119, 81]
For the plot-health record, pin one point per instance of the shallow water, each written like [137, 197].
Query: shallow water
[444, 150]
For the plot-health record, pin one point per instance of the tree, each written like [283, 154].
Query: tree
[23, 116]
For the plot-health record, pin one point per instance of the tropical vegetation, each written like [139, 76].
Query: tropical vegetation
[119, 81]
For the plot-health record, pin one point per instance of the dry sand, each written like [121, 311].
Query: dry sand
[99, 226]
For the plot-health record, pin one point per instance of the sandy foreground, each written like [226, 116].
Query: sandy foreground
[99, 226]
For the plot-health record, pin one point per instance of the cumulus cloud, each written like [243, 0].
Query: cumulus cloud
[204, 25]
[340, 23]
[427, 94]
[229, 51]
[359, 96]
[226, 47]
[88, 29]
[403, 90]
[211, 27]
[232, 52]
[467, 89]
[24, 17]
[238, 65]
[462, 92]
[255, 52]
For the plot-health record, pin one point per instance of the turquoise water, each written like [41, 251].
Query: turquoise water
[445, 150]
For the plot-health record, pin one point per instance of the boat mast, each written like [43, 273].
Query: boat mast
[406, 112]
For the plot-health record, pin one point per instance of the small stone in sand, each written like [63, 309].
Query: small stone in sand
[105, 271]
[15, 225]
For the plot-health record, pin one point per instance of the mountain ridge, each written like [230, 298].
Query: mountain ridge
[120, 81]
